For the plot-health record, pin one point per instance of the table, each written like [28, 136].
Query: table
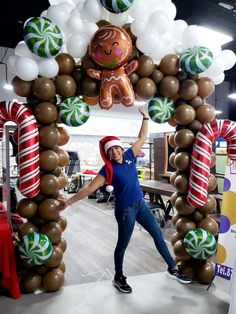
[156, 189]
[8, 274]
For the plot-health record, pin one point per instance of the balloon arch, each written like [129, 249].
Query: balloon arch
[78, 54]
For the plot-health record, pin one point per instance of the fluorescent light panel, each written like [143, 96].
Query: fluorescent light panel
[8, 86]
[232, 96]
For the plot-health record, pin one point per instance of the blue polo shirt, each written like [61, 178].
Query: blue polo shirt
[125, 181]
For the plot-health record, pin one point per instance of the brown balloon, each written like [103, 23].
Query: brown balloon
[145, 88]
[90, 87]
[184, 225]
[48, 160]
[182, 161]
[157, 76]
[62, 180]
[46, 113]
[181, 183]
[171, 140]
[180, 252]
[196, 102]
[171, 160]
[56, 257]
[197, 216]
[169, 65]
[42, 270]
[62, 244]
[62, 222]
[47, 209]
[39, 198]
[169, 86]
[205, 273]
[26, 228]
[65, 85]
[49, 184]
[56, 172]
[66, 63]
[209, 206]
[62, 267]
[174, 197]
[173, 177]
[145, 66]
[175, 218]
[195, 126]
[175, 237]
[48, 136]
[205, 113]
[209, 224]
[181, 76]
[188, 89]
[53, 231]
[87, 62]
[20, 87]
[186, 268]
[26, 208]
[183, 207]
[63, 157]
[206, 87]
[184, 114]
[30, 282]
[133, 78]
[53, 280]
[184, 138]
[212, 183]
[43, 88]
[78, 74]
[64, 136]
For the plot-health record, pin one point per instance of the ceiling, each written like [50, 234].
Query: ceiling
[199, 12]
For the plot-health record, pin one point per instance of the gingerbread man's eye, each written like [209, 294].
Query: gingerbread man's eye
[115, 43]
[98, 46]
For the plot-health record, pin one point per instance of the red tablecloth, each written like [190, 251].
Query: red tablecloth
[9, 278]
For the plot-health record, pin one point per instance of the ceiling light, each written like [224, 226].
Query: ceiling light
[226, 5]
[214, 36]
[232, 96]
[218, 111]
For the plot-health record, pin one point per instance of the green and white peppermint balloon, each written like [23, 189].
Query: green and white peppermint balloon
[161, 109]
[196, 60]
[42, 37]
[116, 6]
[200, 243]
[36, 248]
[74, 111]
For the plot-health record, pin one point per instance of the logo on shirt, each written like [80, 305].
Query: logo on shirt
[128, 161]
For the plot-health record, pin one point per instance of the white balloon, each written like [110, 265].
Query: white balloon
[88, 30]
[218, 79]
[48, 67]
[67, 6]
[93, 10]
[216, 68]
[118, 19]
[191, 36]
[176, 29]
[22, 50]
[138, 27]
[11, 62]
[159, 22]
[138, 9]
[178, 49]
[26, 68]
[171, 11]
[57, 15]
[44, 13]
[74, 24]
[229, 58]
[52, 2]
[147, 42]
[76, 46]
[160, 50]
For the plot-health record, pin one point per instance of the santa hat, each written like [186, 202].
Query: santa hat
[104, 144]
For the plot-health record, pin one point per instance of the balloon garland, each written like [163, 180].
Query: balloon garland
[163, 62]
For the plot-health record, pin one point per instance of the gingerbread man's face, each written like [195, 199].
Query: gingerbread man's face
[110, 47]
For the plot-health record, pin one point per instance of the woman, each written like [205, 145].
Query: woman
[120, 171]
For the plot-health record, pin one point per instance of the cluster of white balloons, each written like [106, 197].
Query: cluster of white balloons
[152, 21]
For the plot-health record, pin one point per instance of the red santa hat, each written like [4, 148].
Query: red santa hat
[104, 144]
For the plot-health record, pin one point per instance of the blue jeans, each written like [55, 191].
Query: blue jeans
[126, 218]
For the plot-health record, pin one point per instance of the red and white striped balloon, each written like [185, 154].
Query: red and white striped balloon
[28, 145]
[201, 157]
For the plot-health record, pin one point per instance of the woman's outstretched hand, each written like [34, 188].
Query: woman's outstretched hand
[63, 203]
[143, 111]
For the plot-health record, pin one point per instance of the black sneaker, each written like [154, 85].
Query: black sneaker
[121, 284]
[176, 274]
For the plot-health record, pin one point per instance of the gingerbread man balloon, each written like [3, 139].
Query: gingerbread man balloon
[110, 48]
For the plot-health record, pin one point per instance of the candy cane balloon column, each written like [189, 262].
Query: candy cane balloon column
[28, 145]
[201, 157]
